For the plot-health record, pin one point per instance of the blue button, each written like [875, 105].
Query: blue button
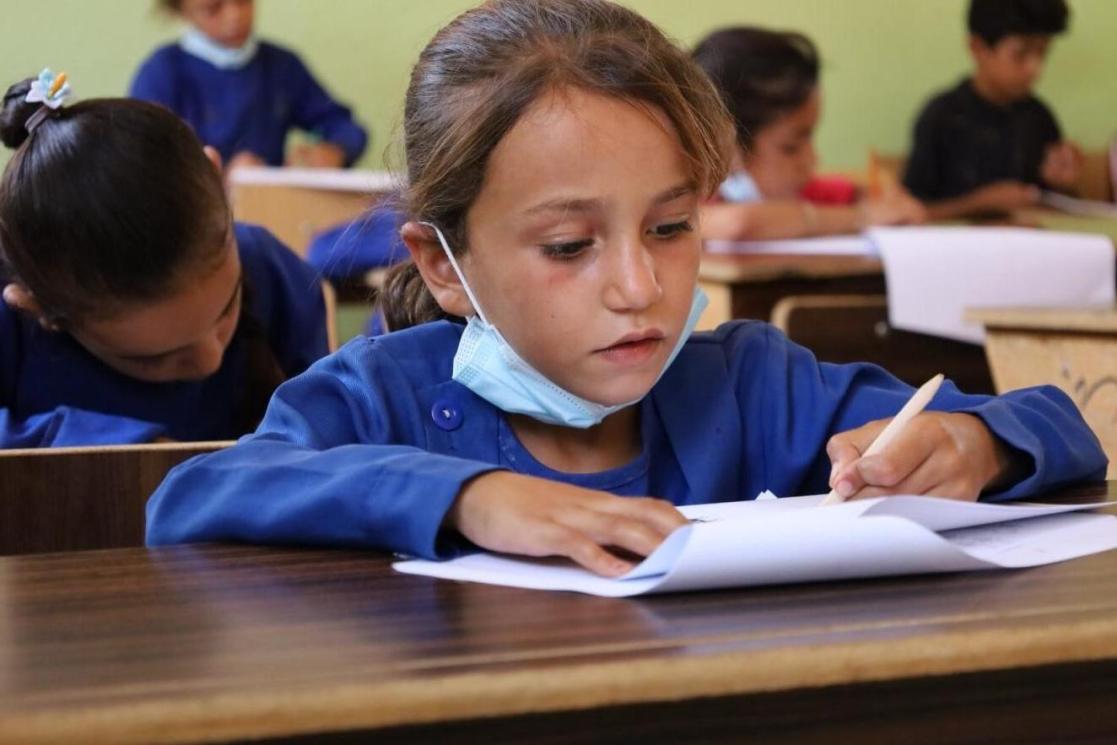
[446, 415]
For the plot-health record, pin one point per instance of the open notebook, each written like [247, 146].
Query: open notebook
[777, 541]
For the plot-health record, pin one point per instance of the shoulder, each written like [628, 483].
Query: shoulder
[159, 66]
[164, 55]
[414, 358]
[735, 344]
[944, 103]
[271, 267]
[275, 54]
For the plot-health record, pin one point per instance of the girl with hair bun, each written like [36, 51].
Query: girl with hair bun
[134, 307]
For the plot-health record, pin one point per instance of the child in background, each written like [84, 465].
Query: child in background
[243, 95]
[134, 308]
[988, 145]
[769, 82]
[557, 154]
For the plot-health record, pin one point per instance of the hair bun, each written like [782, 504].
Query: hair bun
[16, 112]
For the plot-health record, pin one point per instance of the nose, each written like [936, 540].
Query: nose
[810, 160]
[632, 284]
[204, 359]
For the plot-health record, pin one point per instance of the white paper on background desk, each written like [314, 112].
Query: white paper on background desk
[934, 274]
[1075, 206]
[778, 541]
[324, 179]
[843, 245]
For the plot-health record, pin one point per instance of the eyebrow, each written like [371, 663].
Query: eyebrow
[228, 306]
[588, 205]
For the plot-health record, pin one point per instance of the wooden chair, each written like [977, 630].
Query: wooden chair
[72, 499]
[329, 298]
[855, 328]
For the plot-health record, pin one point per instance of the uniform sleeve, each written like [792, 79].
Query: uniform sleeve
[155, 81]
[804, 402]
[921, 174]
[315, 111]
[68, 427]
[324, 468]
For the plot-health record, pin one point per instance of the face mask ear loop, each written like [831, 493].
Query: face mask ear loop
[457, 270]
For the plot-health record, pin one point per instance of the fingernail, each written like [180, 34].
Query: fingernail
[844, 489]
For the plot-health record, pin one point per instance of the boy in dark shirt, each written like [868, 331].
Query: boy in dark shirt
[989, 145]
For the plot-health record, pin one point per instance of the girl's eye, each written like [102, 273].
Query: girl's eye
[566, 251]
[670, 230]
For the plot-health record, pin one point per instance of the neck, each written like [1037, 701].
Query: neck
[611, 444]
[987, 90]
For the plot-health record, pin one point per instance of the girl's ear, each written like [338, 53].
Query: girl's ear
[20, 298]
[214, 157]
[436, 270]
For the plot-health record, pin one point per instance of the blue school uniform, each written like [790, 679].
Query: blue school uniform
[251, 108]
[54, 393]
[370, 447]
[353, 248]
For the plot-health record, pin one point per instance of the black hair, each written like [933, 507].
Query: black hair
[761, 74]
[993, 20]
[112, 202]
[108, 202]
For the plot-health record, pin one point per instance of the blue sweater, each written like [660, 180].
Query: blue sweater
[251, 108]
[55, 393]
[370, 447]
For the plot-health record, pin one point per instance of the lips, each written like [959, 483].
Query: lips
[633, 348]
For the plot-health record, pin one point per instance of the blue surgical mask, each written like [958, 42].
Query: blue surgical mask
[198, 44]
[740, 187]
[487, 364]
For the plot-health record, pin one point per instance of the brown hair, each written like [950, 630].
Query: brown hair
[480, 73]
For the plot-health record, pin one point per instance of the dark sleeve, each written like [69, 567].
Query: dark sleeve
[921, 174]
[1049, 125]
[327, 466]
[315, 111]
[803, 402]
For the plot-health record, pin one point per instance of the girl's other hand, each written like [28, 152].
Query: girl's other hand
[516, 514]
[244, 159]
[318, 155]
[937, 454]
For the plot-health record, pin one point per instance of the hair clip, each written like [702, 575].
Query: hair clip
[51, 91]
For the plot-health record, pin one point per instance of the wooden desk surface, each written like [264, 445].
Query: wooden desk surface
[209, 643]
[746, 268]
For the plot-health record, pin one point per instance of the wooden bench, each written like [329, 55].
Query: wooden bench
[72, 499]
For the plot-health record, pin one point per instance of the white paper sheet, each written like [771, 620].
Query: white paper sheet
[934, 274]
[736, 544]
[847, 245]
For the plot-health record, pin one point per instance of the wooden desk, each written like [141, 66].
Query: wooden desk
[220, 643]
[1073, 349]
[70, 499]
[754, 285]
[749, 286]
[297, 203]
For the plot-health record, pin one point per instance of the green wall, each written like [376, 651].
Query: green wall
[882, 57]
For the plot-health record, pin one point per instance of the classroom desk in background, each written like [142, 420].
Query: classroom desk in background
[1074, 349]
[297, 203]
[220, 643]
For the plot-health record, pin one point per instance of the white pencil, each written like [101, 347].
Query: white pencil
[915, 404]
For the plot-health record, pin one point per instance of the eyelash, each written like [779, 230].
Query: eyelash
[573, 249]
